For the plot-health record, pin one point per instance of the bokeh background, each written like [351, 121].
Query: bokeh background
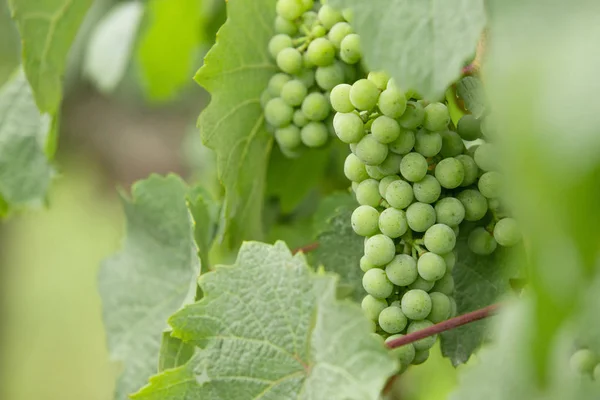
[112, 133]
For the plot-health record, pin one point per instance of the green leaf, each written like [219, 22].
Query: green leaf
[479, 282]
[291, 180]
[328, 206]
[470, 90]
[150, 278]
[236, 71]
[422, 44]
[109, 48]
[173, 352]
[271, 328]
[169, 46]
[47, 29]
[25, 172]
[340, 250]
[9, 45]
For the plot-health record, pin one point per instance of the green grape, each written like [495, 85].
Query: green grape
[420, 216]
[289, 9]
[413, 167]
[449, 211]
[354, 169]
[379, 78]
[373, 170]
[367, 193]
[445, 284]
[431, 267]
[364, 94]
[376, 283]
[307, 76]
[494, 205]
[285, 26]
[366, 265]
[372, 307]
[380, 249]
[348, 127]
[487, 128]
[371, 151]
[437, 117]
[392, 320]
[474, 203]
[350, 50]
[481, 242]
[330, 76]
[421, 284]
[416, 304]
[428, 143]
[278, 43]
[293, 92]
[420, 357]
[348, 14]
[340, 98]
[309, 19]
[439, 239]
[413, 116]
[385, 182]
[385, 129]
[506, 232]
[277, 82]
[450, 173]
[471, 169]
[402, 270]
[453, 307]
[399, 194]
[425, 343]
[320, 52]
[391, 164]
[288, 137]
[404, 143]
[392, 102]
[338, 32]
[392, 223]
[490, 184]
[289, 60]
[329, 16]
[314, 134]
[278, 113]
[318, 31]
[450, 260]
[406, 353]
[452, 144]
[485, 157]
[469, 127]
[365, 221]
[427, 190]
[471, 150]
[300, 119]
[265, 97]
[583, 361]
[315, 106]
[456, 229]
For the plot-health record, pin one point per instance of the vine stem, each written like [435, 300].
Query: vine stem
[445, 326]
[307, 248]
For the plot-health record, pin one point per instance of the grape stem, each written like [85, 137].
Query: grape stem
[445, 326]
[307, 248]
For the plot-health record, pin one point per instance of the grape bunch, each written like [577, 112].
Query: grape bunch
[315, 49]
[586, 362]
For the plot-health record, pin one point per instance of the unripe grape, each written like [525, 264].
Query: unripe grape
[329, 76]
[405, 354]
[404, 143]
[392, 102]
[485, 157]
[288, 137]
[278, 43]
[277, 82]
[321, 52]
[371, 151]
[285, 26]
[452, 144]
[449, 211]
[431, 267]
[428, 143]
[350, 49]
[391, 164]
[380, 249]
[338, 32]
[315, 106]
[365, 264]
[427, 190]
[385, 182]
[444, 285]
[437, 117]
[416, 304]
[399, 194]
[340, 98]
[392, 320]
[440, 239]
[289, 9]
[506, 232]
[372, 307]
[392, 223]
[474, 203]
[300, 119]
[425, 343]
[293, 92]
[364, 94]
[450, 173]
[354, 169]
[490, 184]
[420, 216]
[471, 169]
[413, 167]
[402, 270]
[469, 127]
[373, 170]
[348, 127]
[314, 134]
[376, 283]
[583, 361]
[367, 193]
[289, 60]
[481, 242]
[420, 357]
[385, 129]
[413, 116]
[329, 16]
[365, 221]
[379, 78]
[278, 113]
[421, 284]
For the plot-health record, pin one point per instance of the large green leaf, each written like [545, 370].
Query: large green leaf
[271, 328]
[47, 29]
[236, 71]
[173, 352]
[422, 44]
[150, 278]
[25, 172]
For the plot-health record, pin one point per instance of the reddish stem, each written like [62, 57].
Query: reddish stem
[469, 69]
[306, 249]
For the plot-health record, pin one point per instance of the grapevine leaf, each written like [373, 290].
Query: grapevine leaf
[328, 206]
[47, 29]
[271, 328]
[340, 250]
[422, 44]
[25, 172]
[109, 50]
[173, 352]
[470, 90]
[479, 281]
[235, 72]
[152, 276]
[290, 180]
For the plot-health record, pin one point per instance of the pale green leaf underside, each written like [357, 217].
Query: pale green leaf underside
[153, 275]
[271, 328]
[423, 44]
[173, 352]
[25, 172]
[47, 29]
[236, 71]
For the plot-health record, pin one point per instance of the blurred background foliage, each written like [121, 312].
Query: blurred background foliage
[129, 110]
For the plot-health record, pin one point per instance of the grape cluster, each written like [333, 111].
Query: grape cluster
[315, 49]
[586, 362]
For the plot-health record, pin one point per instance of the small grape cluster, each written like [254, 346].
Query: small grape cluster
[416, 182]
[315, 49]
[586, 362]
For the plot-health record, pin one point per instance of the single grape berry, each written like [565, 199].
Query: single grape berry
[583, 361]
[314, 134]
[413, 167]
[392, 102]
[437, 117]
[365, 221]
[285, 26]
[421, 284]
[278, 113]
[485, 157]
[329, 76]
[293, 92]
[399, 194]
[340, 98]
[350, 50]
[413, 116]
[329, 16]
[445, 284]
[385, 182]
[391, 164]
[367, 193]
[392, 223]
[348, 127]
[380, 249]
[373, 170]
[440, 239]
[490, 184]
[404, 143]
[449, 211]
[450, 173]
[392, 320]
[354, 169]
[376, 283]
[427, 143]
[441, 307]
[426, 343]
[450, 260]
[288, 137]
[481, 242]
[372, 307]
[315, 106]
[364, 95]
[431, 267]
[420, 357]
[278, 43]
[385, 129]
[402, 270]
[321, 52]
[471, 169]
[420, 216]
[469, 128]
[506, 232]
[300, 119]
[427, 190]
[405, 354]
[475, 204]
[338, 32]
[289, 9]
[289, 60]
[416, 304]
[277, 82]
[371, 151]
[452, 144]
[365, 264]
